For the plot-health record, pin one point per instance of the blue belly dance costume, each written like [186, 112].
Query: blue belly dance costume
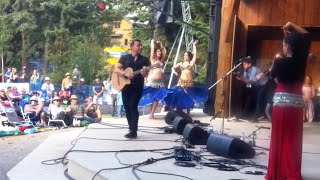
[185, 95]
[154, 90]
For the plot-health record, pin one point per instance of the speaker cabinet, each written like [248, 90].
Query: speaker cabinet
[171, 115]
[179, 124]
[229, 147]
[195, 135]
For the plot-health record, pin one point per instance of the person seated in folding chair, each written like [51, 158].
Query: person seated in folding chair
[15, 97]
[44, 111]
[57, 112]
[90, 109]
[76, 111]
[36, 113]
[3, 96]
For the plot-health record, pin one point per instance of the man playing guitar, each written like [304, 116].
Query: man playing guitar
[131, 93]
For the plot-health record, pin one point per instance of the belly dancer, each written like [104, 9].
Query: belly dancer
[185, 94]
[154, 91]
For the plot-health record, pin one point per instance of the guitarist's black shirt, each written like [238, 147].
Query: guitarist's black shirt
[128, 61]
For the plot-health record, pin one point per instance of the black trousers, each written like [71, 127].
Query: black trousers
[249, 102]
[131, 96]
[261, 101]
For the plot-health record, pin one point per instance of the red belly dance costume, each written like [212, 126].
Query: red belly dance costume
[287, 115]
[286, 137]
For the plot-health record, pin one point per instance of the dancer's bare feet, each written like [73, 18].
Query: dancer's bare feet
[151, 116]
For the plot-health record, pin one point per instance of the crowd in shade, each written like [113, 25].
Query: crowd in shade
[41, 100]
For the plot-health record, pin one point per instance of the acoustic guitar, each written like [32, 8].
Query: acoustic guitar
[119, 81]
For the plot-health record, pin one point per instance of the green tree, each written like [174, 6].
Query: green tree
[5, 36]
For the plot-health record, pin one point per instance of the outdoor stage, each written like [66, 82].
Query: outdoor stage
[109, 137]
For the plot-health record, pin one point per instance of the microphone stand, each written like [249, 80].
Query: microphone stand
[221, 111]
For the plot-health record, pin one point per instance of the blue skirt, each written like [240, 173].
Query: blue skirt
[150, 94]
[185, 98]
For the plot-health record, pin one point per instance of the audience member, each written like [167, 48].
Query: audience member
[14, 95]
[34, 110]
[14, 76]
[98, 88]
[74, 110]
[47, 87]
[24, 75]
[66, 84]
[3, 96]
[114, 93]
[120, 105]
[76, 74]
[7, 74]
[34, 79]
[80, 90]
[308, 93]
[90, 109]
[8, 91]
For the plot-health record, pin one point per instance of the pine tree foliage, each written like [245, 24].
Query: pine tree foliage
[67, 32]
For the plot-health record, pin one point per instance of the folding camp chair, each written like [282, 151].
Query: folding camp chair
[25, 115]
[53, 119]
[10, 113]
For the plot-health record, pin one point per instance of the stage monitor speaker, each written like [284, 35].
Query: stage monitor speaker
[169, 118]
[179, 124]
[229, 147]
[195, 135]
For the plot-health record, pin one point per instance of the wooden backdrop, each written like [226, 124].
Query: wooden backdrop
[261, 22]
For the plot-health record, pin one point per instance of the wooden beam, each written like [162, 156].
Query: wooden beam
[230, 21]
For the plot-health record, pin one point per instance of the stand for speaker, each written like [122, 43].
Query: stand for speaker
[223, 94]
[254, 136]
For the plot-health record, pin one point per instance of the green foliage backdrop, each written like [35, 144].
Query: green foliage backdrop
[68, 32]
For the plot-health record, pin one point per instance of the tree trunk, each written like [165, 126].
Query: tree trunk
[2, 69]
[46, 56]
[24, 49]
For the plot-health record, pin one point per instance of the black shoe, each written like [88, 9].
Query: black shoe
[131, 135]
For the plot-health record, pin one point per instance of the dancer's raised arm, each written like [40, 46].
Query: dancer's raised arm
[193, 60]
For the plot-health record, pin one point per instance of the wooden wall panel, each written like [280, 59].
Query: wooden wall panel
[291, 8]
[264, 52]
[308, 12]
[301, 8]
[316, 12]
[252, 11]
[278, 12]
[264, 12]
[277, 6]
[242, 13]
